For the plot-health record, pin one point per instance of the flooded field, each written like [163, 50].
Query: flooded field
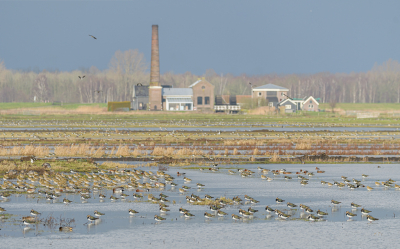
[222, 182]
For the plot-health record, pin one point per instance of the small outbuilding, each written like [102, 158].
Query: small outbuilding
[289, 105]
[177, 99]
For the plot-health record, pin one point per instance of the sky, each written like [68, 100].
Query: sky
[254, 37]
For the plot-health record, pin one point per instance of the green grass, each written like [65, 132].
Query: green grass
[363, 106]
[70, 106]
[192, 119]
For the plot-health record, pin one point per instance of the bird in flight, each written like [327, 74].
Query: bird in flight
[139, 84]
[81, 77]
[93, 37]
[98, 91]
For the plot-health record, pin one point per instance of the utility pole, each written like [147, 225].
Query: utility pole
[251, 89]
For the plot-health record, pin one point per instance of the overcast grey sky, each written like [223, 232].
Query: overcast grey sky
[229, 36]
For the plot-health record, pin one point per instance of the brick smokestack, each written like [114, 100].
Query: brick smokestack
[155, 90]
[155, 58]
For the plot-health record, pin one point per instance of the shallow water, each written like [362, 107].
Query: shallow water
[197, 232]
[231, 128]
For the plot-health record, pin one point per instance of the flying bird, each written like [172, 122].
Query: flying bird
[81, 77]
[93, 37]
[139, 84]
[98, 91]
[288, 96]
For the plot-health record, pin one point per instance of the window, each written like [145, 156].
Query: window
[199, 100]
[281, 94]
[271, 104]
[259, 93]
[272, 94]
[309, 106]
[288, 107]
[312, 106]
[206, 100]
[203, 87]
[310, 101]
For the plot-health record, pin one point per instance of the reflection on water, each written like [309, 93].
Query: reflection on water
[383, 202]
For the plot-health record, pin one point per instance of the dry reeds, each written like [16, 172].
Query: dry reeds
[123, 150]
[303, 146]
[138, 152]
[275, 157]
[113, 165]
[162, 151]
[187, 151]
[226, 152]
[73, 150]
[98, 153]
[28, 150]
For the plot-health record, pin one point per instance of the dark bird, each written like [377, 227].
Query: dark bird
[98, 91]
[93, 37]
[81, 77]
[288, 96]
[139, 84]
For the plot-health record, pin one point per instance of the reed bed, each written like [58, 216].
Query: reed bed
[303, 146]
[190, 152]
[123, 150]
[28, 150]
[163, 151]
[73, 150]
[275, 158]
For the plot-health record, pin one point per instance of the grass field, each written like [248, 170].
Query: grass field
[9, 106]
[87, 115]
[363, 106]
[323, 106]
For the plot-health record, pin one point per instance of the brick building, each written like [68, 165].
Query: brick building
[203, 94]
[272, 93]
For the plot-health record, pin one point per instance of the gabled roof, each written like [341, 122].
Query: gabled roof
[311, 97]
[192, 85]
[286, 100]
[177, 91]
[270, 87]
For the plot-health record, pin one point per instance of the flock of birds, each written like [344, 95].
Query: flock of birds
[53, 185]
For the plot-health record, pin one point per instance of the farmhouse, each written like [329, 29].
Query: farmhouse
[307, 104]
[277, 96]
[272, 93]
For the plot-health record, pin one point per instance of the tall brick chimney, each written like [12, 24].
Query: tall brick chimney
[155, 89]
[155, 58]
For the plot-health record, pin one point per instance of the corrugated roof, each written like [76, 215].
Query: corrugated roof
[179, 100]
[177, 91]
[270, 87]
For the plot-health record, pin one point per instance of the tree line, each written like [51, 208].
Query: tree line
[127, 68]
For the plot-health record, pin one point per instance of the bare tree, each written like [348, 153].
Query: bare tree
[332, 104]
[41, 89]
[127, 65]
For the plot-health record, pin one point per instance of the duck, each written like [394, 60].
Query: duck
[132, 212]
